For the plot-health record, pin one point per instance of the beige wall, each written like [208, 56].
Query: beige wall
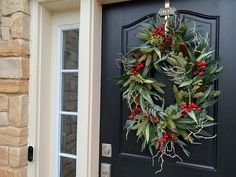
[14, 81]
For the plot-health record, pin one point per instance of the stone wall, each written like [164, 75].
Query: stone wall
[14, 81]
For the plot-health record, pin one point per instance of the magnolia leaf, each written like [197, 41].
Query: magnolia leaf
[186, 83]
[193, 116]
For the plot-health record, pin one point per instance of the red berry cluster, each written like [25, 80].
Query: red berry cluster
[201, 66]
[158, 31]
[162, 140]
[134, 113]
[187, 108]
[172, 136]
[138, 67]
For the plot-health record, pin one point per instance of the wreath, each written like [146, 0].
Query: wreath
[175, 49]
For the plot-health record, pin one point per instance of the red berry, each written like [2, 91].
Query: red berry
[161, 148]
[203, 66]
[200, 73]
[203, 63]
[159, 140]
[193, 105]
[195, 73]
[165, 136]
[199, 63]
[199, 108]
[186, 111]
[138, 109]
[130, 117]
[184, 105]
[161, 33]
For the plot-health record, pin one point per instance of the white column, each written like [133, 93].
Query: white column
[89, 88]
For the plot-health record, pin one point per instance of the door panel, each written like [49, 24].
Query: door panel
[120, 25]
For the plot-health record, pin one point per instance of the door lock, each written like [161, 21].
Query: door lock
[106, 150]
[105, 170]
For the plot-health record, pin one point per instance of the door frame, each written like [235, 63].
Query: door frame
[89, 82]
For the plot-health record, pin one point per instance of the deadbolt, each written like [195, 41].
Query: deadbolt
[106, 150]
[105, 170]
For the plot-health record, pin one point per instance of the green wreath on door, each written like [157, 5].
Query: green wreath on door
[182, 54]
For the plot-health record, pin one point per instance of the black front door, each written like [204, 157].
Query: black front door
[214, 158]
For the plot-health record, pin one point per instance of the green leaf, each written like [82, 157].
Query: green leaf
[205, 55]
[206, 94]
[142, 104]
[157, 87]
[191, 55]
[209, 103]
[186, 83]
[171, 124]
[147, 97]
[158, 52]
[205, 125]
[173, 61]
[142, 58]
[148, 61]
[147, 133]
[185, 121]
[181, 60]
[142, 36]
[145, 71]
[147, 81]
[127, 82]
[205, 133]
[193, 116]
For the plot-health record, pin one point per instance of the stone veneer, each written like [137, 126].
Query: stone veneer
[14, 81]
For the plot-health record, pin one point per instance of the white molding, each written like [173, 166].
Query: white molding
[34, 88]
[89, 90]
